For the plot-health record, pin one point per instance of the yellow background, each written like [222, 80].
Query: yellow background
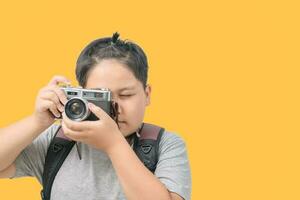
[225, 76]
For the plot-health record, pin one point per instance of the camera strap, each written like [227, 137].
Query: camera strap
[145, 145]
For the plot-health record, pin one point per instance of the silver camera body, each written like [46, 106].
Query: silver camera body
[76, 108]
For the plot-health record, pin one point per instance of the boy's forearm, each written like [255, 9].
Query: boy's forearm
[136, 180]
[15, 137]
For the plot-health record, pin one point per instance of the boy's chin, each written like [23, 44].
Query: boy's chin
[127, 129]
[126, 132]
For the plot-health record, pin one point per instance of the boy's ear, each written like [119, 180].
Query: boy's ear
[148, 94]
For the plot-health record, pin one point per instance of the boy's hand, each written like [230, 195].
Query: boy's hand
[101, 134]
[50, 101]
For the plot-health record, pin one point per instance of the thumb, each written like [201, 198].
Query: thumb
[99, 112]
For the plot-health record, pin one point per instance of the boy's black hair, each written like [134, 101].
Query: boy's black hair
[124, 51]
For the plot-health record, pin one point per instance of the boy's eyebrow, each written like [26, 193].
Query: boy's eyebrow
[125, 88]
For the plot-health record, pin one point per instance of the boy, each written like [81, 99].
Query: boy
[109, 168]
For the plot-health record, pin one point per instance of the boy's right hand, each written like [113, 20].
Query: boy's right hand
[50, 102]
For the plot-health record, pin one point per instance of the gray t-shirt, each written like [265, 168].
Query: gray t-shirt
[93, 177]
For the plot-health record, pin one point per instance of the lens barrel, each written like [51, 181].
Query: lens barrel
[77, 109]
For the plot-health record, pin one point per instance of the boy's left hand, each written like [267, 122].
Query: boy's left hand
[101, 134]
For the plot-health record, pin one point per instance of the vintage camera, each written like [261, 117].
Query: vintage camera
[76, 108]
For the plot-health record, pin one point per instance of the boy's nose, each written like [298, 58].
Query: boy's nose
[119, 109]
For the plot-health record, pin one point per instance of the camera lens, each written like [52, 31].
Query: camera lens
[76, 109]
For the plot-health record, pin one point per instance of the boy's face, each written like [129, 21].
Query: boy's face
[127, 91]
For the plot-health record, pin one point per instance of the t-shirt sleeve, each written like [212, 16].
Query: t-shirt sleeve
[173, 168]
[30, 162]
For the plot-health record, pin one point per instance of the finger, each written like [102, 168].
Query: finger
[59, 79]
[61, 95]
[54, 110]
[51, 96]
[74, 135]
[73, 125]
[99, 112]
[51, 106]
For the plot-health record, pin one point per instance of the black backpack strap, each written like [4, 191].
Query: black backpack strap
[147, 144]
[58, 150]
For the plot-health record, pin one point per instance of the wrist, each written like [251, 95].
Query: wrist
[39, 123]
[119, 142]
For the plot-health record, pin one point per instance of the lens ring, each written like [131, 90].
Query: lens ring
[76, 109]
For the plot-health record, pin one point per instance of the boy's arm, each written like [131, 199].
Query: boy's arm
[14, 138]
[8, 172]
[136, 180]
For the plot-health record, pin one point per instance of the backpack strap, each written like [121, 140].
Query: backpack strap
[58, 150]
[147, 144]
